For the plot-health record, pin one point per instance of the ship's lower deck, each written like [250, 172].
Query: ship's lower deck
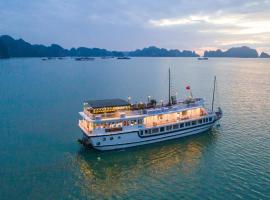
[143, 136]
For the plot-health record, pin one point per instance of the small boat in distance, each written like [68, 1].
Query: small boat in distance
[202, 58]
[48, 58]
[124, 57]
[84, 58]
[110, 124]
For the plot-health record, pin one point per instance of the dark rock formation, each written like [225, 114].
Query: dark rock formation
[264, 55]
[153, 51]
[237, 52]
[10, 47]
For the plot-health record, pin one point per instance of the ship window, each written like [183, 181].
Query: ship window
[160, 117]
[168, 128]
[206, 119]
[162, 129]
[210, 119]
[200, 121]
[119, 124]
[145, 131]
[139, 121]
[141, 132]
[119, 137]
[184, 112]
[155, 130]
[133, 122]
[149, 131]
[181, 125]
[187, 123]
[176, 126]
[98, 143]
[194, 123]
[104, 139]
[111, 138]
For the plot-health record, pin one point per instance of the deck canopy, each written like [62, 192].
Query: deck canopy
[107, 105]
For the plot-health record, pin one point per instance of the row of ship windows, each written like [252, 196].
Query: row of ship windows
[168, 128]
[177, 126]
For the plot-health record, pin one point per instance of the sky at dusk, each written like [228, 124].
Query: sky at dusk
[132, 24]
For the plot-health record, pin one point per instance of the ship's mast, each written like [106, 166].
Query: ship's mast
[214, 90]
[170, 87]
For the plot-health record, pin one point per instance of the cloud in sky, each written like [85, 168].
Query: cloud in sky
[127, 24]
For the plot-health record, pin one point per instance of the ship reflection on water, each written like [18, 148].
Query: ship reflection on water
[108, 174]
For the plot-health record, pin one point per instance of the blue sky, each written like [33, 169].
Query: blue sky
[127, 25]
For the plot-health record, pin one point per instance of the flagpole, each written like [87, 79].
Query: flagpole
[169, 87]
[213, 97]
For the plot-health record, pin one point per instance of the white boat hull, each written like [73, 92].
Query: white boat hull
[131, 139]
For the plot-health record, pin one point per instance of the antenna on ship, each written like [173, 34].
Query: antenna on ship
[170, 87]
[213, 97]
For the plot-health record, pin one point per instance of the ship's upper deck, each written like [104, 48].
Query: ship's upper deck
[106, 105]
[114, 109]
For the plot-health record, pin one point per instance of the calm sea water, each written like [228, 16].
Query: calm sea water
[41, 159]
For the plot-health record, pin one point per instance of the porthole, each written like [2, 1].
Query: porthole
[119, 137]
[98, 143]
[104, 139]
[111, 138]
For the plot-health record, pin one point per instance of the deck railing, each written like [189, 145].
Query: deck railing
[160, 123]
[113, 115]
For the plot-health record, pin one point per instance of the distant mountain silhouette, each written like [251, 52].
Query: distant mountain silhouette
[153, 51]
[237, 52]
[264, 55]
[10, 47]
[3, 50]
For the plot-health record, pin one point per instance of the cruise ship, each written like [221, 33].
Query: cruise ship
[110, 124]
